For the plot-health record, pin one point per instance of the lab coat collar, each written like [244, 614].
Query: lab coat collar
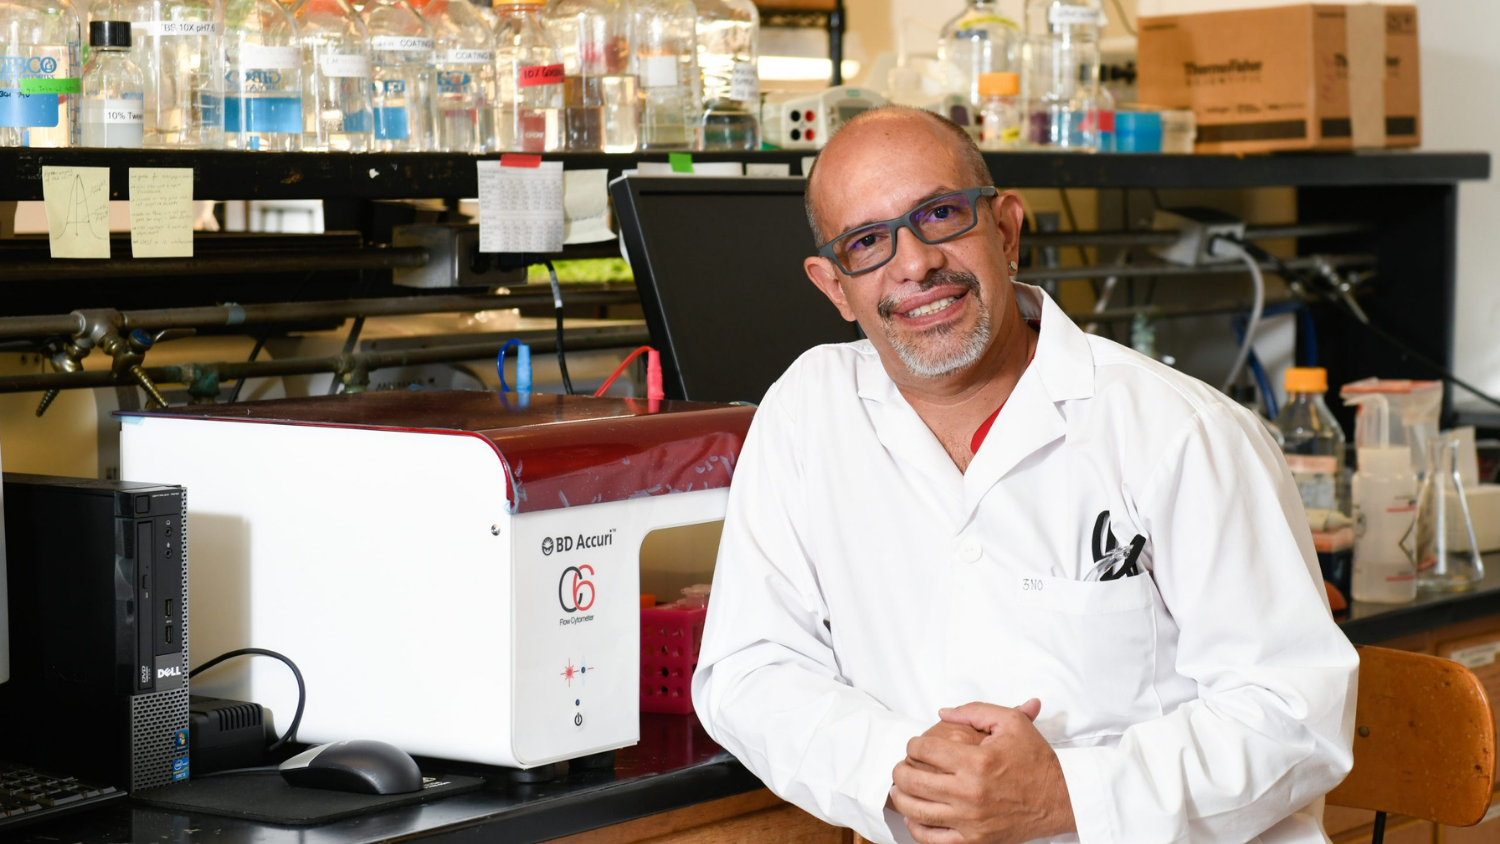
[1062, 370]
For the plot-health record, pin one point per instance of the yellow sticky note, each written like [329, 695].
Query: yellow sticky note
[161, 212]
[77, 200]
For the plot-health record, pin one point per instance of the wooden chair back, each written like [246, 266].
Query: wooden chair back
[1424, 740]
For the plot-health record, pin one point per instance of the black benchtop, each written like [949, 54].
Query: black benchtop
[676, 765]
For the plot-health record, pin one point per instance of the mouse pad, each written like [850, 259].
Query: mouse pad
[265, 796]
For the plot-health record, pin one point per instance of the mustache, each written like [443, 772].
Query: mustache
[889, 305]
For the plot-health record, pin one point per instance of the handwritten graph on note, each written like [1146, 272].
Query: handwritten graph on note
[77, 202]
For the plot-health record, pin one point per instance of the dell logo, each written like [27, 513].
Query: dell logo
[174, 671]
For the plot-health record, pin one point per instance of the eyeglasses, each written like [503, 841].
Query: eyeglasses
[872, 245]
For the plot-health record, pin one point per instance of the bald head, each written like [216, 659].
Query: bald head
[899, 130]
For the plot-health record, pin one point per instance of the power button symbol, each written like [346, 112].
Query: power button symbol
[578, 719]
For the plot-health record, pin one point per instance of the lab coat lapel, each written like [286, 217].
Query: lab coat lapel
[902, 431]
[1032, 417]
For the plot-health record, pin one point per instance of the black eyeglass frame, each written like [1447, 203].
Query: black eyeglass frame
[904, 222]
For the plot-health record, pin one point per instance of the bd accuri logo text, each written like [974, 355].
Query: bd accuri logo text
[564, 544]
[1234, 70]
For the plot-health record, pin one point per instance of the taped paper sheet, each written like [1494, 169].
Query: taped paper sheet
[520, 208]
[77, 202]
[161, 212]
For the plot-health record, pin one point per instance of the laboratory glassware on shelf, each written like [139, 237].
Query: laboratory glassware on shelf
[1445, 548]
[666, 58]
[178, 46]
[999, 111]
[1384, 494]
[402, 67]
[1060, 73]
[981, 39]
[464, 45]
[263, 77]
[40, 65]
[113, 93]
[727, 53]
[1313, 442]
[336, 114]
[599, 84]
[529, 81]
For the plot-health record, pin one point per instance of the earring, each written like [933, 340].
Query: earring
[1013, 267]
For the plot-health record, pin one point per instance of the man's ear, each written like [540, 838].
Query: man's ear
[821, 272]
[1009, 214]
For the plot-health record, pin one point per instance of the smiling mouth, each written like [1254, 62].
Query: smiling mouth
[933, 307]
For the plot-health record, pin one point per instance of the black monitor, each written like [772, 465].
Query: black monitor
[718, 262]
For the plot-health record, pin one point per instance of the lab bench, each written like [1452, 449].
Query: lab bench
[678, 786]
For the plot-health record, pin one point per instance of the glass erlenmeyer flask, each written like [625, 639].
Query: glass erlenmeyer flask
[1445, 563]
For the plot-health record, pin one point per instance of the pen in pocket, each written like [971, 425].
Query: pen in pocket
[1124, 557]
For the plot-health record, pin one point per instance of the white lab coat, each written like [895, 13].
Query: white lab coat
[863, 582]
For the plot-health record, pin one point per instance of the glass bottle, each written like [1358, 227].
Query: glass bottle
[599, 90]
[113, 93]
[1313, 442]
[980, 40]
[728, 33]
[529, 82]
[1060, 79]
[999, 111]
[487, 12]
[666, 57]
[401, 67]
[263, 77]
[40, 66]
[176, 44]
[465, 52]
[336, 112]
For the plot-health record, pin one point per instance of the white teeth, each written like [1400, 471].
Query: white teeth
[932, 307]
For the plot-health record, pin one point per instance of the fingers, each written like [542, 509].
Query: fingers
[917, 810]
[916, 780]
[923, 834]
[941, 754]
[988, 717]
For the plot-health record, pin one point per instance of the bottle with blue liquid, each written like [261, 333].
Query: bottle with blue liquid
[263, 77]
[40, 74]
[402, 68]
[336, 75]
[1060, 54]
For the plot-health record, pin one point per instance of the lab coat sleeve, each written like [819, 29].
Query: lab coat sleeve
[767, 686]
[1272, 728]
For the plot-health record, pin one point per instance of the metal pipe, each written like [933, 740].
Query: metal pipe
[1220, 306]
[282, 312]
[374, 258]
[1139, 270]
[187, 373]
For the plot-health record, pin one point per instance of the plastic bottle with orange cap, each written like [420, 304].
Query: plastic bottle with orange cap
[1314, 442]
[999, 111]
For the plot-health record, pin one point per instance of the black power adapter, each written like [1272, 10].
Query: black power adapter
[228, 734]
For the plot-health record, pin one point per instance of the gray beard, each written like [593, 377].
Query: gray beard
[935, 353]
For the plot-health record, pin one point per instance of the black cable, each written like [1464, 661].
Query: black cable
[260, 343]
[1345, 310]
[291, 732]
[557, 308]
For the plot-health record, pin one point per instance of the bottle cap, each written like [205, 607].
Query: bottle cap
[502, 3]
[109, 33]
[999, 84]
[1307, 379]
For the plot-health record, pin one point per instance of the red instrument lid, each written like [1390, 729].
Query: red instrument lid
[558, 451]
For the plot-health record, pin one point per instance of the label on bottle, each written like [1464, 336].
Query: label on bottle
[127, 110]
[658, 71]
[466, 57]
[400, 42]
[390, 123]
[1060, 15]
[140, 29]
[1314, 477]
[263, 114]
[539, 74]
[454, 82]
[744, 85]
[257, 57]
[344, 66]
[51, 86]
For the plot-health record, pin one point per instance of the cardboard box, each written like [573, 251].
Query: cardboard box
[1306, 76]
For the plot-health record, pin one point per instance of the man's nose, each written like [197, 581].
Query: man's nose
[914, 259]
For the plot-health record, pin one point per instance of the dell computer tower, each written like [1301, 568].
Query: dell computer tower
[97, 580]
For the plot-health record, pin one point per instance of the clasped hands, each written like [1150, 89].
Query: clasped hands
[982, 775]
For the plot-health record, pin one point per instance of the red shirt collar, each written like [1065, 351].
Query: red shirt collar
[984, 427]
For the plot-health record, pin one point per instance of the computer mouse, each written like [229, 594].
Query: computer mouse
[360, 765]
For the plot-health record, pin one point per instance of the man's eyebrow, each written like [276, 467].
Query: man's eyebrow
[932, 194]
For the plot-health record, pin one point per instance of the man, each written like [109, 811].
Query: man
[982, 507]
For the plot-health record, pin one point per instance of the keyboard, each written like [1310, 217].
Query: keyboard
[29, 796]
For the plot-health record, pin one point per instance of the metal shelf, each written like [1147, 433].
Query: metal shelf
[348, 176]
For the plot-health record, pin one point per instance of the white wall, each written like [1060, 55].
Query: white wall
[1461, 111]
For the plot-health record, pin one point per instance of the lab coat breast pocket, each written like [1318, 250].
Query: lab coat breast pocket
[1086, 649]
